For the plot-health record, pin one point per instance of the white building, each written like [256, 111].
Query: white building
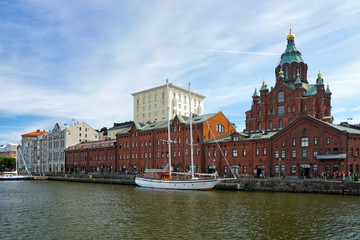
[151, 104]
[63, 136]
[31, 151]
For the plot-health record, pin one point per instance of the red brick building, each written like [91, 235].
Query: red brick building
[145, 145]
[90, 157]
[291, 97]
[288, 129]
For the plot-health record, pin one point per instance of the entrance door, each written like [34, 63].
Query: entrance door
[305, 170]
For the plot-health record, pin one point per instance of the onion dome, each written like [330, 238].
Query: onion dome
[255, 93]
[264, 86]
[319, 80]
[297, 81]
[291, 54]
[327, 89]
[281, 73]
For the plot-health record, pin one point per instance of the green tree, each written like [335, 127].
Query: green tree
[7, 163]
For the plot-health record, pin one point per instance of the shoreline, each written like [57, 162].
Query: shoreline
[316, 186]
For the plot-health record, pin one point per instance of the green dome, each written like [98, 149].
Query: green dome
[291, 54]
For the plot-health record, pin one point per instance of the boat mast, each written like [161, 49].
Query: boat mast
[191, 138]
[168, 110]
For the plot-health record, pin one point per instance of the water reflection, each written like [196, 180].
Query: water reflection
[58, 210]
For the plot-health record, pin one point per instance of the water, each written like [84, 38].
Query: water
[61, 210]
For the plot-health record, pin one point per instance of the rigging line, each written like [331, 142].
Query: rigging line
[222, 153]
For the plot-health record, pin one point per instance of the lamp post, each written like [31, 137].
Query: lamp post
[3, 168]
[279, 168]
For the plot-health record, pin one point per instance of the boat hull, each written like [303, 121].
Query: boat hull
[14, 178]
[201, 184]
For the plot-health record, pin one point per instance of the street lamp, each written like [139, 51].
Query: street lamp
[279, 168]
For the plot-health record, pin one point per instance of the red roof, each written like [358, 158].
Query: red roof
[34, 134]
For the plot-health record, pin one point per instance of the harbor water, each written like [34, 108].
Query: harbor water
[66, 210]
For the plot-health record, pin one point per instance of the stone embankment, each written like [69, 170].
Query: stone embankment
[292, 186]
[241, 184]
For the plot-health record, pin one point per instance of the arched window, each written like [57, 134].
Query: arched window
[280, 96]
[293, 71]
[220, 128]
[286, 72]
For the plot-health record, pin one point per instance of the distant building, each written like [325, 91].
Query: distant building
[151, 105]
[63, 136]
[30, 150]
[8, 150]
[93, 157]
[118, 127]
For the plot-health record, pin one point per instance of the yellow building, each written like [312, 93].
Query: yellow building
[8, 151]
[151, 105]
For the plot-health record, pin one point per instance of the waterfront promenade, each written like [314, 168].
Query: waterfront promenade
[292, 185]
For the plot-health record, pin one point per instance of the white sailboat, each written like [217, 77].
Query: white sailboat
[14, 176]
[166, 179]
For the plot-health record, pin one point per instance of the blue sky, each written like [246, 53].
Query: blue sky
[68, 59]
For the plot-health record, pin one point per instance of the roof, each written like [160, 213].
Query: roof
[164, 86]
[291, 54]
[343, 128]
[93, 144]
[163, 124]
[34, 134]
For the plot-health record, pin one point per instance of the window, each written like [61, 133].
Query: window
[235, 153]
[220, 128]
[143, 100]
[305, 107]
[315, 141]
[271, 125]
[155, 97]
[315, 153]
[276, 154]
[244, 169]
[293, 108]
[214, 153]
[259, 125]
[277, 169]
[351, 152]
[293, 169]
[315, 170]
[304, 142]
[179, 128]
[281, 110]
[293, 154]
[186, 152]
[244, 152]
[225, 153]
[257, 152]
[294, 142]
[327, 141]
[283, 154]
[281, 97]
[327, 151]
[280, 124]
[283, 169]
[149, 99]
[304, 153]
[264, 151]
[283, 144]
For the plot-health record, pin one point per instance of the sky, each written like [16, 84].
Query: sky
[69, 59]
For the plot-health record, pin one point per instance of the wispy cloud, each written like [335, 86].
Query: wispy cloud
[63, 60]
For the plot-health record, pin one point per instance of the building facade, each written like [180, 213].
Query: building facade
[8, 150]
[63, 136]
[31, 152]
[91, 157]
[151, 105]
[291, 97]
[146, 145]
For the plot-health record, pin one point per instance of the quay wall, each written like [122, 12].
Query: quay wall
[242, 184]
[292, 186]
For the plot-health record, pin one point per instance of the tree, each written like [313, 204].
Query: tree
[7, 163]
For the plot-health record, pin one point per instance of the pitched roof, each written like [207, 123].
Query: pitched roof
[34, 134]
